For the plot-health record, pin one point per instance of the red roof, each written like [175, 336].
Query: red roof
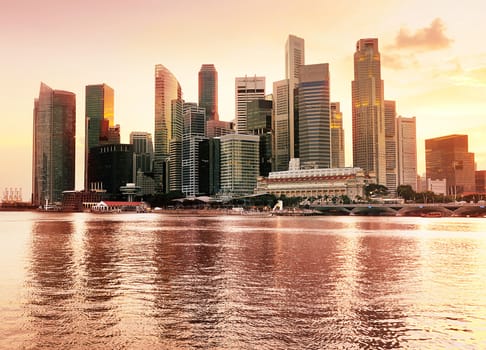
[122, 204]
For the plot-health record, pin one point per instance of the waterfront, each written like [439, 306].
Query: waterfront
[131, 281]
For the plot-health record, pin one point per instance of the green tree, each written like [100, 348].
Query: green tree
[375, 190]
[406, 192]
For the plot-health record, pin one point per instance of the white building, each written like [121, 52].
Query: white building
[407, 151]
[247, 89]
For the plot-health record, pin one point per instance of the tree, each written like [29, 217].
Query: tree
[375, 190]
[406, 192]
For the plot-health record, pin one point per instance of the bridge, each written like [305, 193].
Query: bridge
[408, 209]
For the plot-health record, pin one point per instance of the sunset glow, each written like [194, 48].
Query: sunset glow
[433, 60]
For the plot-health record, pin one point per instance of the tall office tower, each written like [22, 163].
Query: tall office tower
[217, 128]
[369, 151]
[239, 164]
[407, 152]
[167, 88]
[480, 181]
[247, 89]
[143, 151]
[53, 154]
[175, 147]
[314, 116]
[208, 91]
[99, 120]
[294, 59]
[193, 135]
[260, 123]
[391, 145]
[448, 158]
[337, 136]
[280, 125]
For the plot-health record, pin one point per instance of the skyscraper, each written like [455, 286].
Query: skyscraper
[294, 59]
[391, 145]
[314, 116]
[280, 125]
[448, 158]
[208, 91]
[167, 89]
[337, 136]
[99, 123]
[143, 151]
[260, 123]
[53, 156]
[368, 111]
[247, 89]
[407, 152]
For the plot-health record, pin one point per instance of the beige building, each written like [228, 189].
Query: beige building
[315, 182]
[407, 151]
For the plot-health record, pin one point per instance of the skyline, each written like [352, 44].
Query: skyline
[431, 65]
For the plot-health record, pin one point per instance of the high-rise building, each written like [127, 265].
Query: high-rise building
[239, 164]
[217, 128]
[407, 151]
[143, 152]
[294, 59]
[194, 134]
[314, 116]
[99, 120]
[247, 89]
[280, 125]
[53, 154]
[337, 136]
[481, 181]
[208, 91]
[167, 89]
[260, 123]
[391, 145]
[368, 117]
[448, 158]
[175, 147]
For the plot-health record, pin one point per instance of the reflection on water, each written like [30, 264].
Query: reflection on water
[154, 281]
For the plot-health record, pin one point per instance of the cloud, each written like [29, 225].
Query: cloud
[430, 38]
[399, 61]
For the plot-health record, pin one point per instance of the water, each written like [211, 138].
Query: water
[145, 281]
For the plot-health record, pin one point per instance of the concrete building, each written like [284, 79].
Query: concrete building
[407, 151]
[315, 182]
[247, 89]
[143, 154]
[481, 181]
[260, 123]
[337, 136]
[391, 146]
[314, 116]
[448, 158]
[53, 154]
[369, 152]
[280, 126]
[239, 164]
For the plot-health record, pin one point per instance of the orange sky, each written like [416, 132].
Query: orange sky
[433, 59]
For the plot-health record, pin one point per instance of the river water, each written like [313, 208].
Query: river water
[146, 281]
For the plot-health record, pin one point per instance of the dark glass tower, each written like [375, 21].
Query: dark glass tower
[53, 157]
[208, 91]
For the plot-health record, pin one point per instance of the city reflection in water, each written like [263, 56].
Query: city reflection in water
[155, 281]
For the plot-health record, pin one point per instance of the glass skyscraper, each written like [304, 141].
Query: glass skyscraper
[167, 89]
[368, 111]
[337, 136]
[53, 157]
[314, 116]
[208, 91]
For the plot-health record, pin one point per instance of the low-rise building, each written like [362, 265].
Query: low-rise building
[316, 182]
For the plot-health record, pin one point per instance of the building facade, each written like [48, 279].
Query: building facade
[54, 138]
[280, 126]
[260, 123]
[337, 136]
[208, 91]
[239, 164]
[333, 182]
[99, 119]
[391, 145]
[406, 129]
[448, 158]
[314, 116]
[143, 154]
[294, 60]
[368, 117]
[247, 89]
[167, 89]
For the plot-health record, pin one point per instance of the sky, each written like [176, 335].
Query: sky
[432, 52]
